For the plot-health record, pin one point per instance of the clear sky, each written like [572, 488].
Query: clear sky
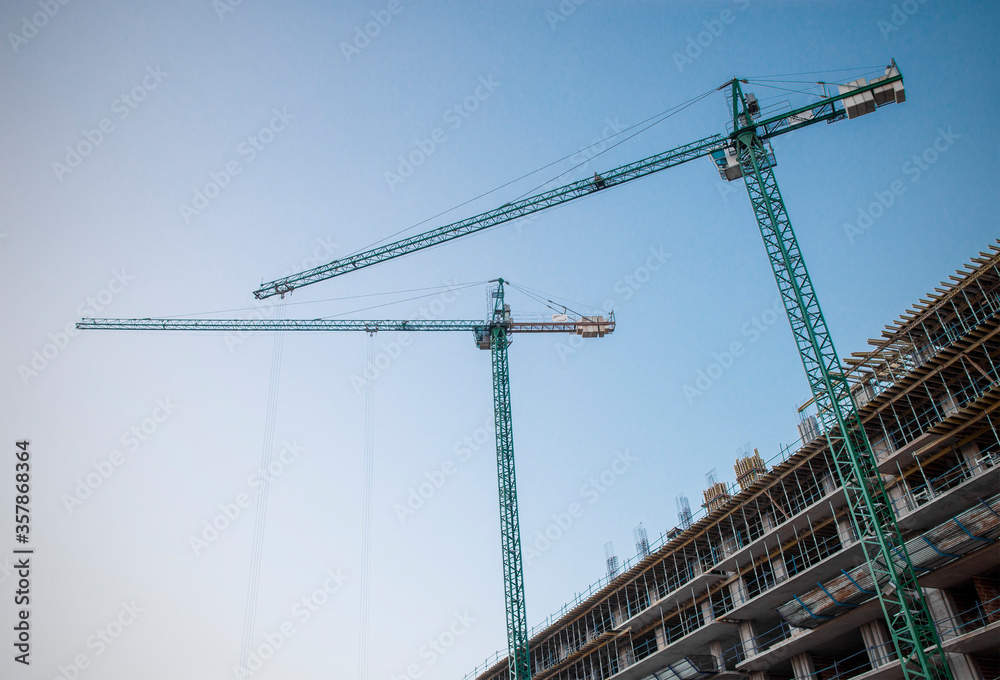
[161, 159]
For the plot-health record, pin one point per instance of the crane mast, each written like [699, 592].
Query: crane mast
[874, 521]
[519, 663]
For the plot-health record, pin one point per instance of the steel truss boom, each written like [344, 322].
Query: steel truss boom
[581, 326]
[505, 213]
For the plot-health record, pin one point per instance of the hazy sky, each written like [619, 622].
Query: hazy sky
[161, 159]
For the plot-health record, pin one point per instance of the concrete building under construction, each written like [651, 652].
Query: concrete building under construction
[768, 581]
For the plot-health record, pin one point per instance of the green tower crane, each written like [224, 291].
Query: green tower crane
[745, 152]
[492, 334]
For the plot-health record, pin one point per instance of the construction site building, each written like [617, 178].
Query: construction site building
[768, 580]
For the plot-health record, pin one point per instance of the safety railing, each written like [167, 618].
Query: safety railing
[972, 619]
[900, 432]
[763, 577]
[934, 487]
[932, 345]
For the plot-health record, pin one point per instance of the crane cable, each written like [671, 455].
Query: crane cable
[809, 73]
[673, 112]
[434, 290]
[253, 585]
[544, 301]
[396, 302]
[658, 118]
[366, 530]
[766, 81]
[556, 298]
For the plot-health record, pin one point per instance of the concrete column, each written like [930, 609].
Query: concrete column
[624, 655]
[970, 453]
[706, 612]
[715, 649]
[748, 639]
[758, 675]
[737, 589]
[695, 568]
[882, 448]
[964, 667]
[661, 637]
[830, 483]
[802, 666]
[844, 530]
[617, 616]
[878, 644]
[767, 520]
[778, 567]
[947, 406]
[944, 612]
[898, 496]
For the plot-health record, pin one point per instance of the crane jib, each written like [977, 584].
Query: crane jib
[787, 121]
[505, 213]
[588, 326]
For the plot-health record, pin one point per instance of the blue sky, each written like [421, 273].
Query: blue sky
[290, 123]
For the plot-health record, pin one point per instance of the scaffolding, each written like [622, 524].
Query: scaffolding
[929, 399]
